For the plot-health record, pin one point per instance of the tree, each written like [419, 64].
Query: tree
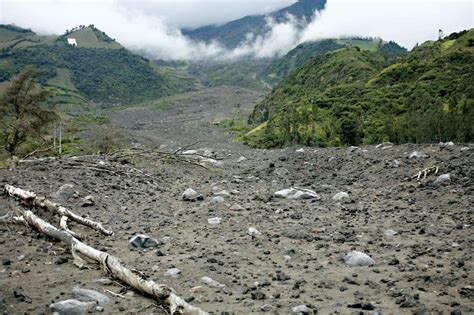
[22, 111]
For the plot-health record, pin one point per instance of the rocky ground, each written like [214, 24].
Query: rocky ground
[263, 252]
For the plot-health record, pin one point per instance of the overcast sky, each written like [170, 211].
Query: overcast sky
[153, 26]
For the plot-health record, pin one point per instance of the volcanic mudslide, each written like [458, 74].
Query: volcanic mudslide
[235, 231]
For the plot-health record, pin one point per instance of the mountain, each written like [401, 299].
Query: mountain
[278, 69]
[351, 97]
[234, 33]
[96, 69]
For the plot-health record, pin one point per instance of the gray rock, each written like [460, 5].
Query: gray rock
[65, 192]
[72, 307]
[237, 207]
[390, 233]
[253, 231]
[418, 155]
[218, 199]
[464, 149]
[88, 201]
[442, 179]
[214, 221]
[340, 195]
[103, 281]
[297, 193]
[191, 195]
[173, 272]
[267, 308]
[142, 241]
[211, 282]
[86, 295]
[384, 145]
[223, 193]
[356, 258]
[282, 172]
[301, 309]
[241, 159]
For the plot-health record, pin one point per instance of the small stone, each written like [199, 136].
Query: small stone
[267, 308]
[191, 195]
[222, 193]
[211, 282]
[253, 231]
[390, 233]
[142, 241]
[296, 193]
[6, 262]
[88, 201]
[258, 295]
[418, 155]
[241, 159]
[356, 258]
[218, 199]
[197, 289]
[103, 281]
[214, 221]
[72, 307]
[340, 195]
[173, 272]
[64, 192]
[301, 309]
[86, 295]
[237, 207]
[442, 179]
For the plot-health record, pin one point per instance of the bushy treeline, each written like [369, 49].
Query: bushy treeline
[103, 75]
[350, 97]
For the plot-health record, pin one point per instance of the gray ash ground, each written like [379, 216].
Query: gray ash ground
[425, 268]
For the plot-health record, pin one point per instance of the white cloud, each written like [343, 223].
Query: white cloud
[153, 27]
[405, 21]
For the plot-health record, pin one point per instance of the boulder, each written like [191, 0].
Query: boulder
[173, 272]
[190, 195]
[211, 282]
[86, 295]
[442, 179]
[418, 155]
[340, 196]
[142, 241]
[301, 309]
[214, 221]
[297, 193]
[356, 258]
[72, 307]
[65, 192]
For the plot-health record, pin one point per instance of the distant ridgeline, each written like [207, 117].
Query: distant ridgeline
[353, 96]
[96, 68]
[232, 34]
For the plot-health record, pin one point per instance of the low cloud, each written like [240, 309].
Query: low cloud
[149, 30]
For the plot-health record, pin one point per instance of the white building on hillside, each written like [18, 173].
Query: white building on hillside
[72, 41]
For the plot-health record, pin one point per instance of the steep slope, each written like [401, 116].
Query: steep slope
[233, 33]
[349, 97]
[98, 69]
[280, 68]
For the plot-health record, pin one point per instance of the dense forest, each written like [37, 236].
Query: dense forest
[352, 97]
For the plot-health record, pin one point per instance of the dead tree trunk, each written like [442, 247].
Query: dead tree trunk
[164, 295]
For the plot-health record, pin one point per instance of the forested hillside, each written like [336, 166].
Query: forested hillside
[98, 69]
[351, 97]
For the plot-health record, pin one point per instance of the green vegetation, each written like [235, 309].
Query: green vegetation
[351, 97]
[24, 115]
[280, 68]
[99, 70]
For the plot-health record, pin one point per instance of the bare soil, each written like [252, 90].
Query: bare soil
[425, 268]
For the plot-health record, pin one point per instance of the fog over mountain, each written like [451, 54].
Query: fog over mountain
[155, 27]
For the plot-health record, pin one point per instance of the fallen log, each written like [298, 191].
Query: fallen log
[31, 200]
[163, 294]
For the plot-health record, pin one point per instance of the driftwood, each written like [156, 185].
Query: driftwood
[425, 172]
[163, 294]
[30, 199]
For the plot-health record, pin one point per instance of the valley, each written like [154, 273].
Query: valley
[334, 178]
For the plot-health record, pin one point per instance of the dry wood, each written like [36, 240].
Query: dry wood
[425, 172]
[31, 199]
[112, 265]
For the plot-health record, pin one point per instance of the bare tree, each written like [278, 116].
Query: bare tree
[22, 111]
